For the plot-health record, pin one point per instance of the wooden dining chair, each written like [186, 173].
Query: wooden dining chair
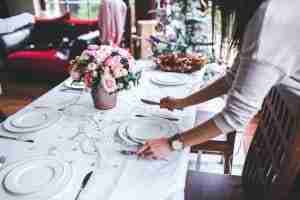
[273, 160]
[222, 145]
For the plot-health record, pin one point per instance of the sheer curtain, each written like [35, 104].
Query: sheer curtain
[49, 8]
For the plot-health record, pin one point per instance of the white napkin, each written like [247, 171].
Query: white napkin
[139, 179]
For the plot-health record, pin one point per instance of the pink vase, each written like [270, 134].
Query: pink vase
[102, 99]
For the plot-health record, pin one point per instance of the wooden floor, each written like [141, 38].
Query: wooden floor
[18, 93]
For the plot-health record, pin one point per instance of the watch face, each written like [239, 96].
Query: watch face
[177, 145]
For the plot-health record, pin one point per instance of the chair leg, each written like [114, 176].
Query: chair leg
[221, 162]
[2, 116]
[228, 164]
[198, 161]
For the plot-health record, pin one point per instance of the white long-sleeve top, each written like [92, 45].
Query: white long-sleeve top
[270, 55]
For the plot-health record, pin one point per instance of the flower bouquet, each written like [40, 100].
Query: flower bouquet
[106, 70]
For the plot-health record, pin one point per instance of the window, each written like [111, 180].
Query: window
[83, 9]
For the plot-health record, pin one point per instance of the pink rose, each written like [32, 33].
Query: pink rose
[75, 75]
[88, 79]
[114, 62]
[90, 53]
[109, 61]
[93, 47]
[125, 53]
[131, 63]
[109, 83]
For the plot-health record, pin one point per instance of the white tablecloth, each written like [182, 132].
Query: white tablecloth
[130, 178]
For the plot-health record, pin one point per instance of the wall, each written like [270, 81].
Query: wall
[19, 6]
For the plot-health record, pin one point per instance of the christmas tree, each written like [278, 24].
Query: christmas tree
[184, 26]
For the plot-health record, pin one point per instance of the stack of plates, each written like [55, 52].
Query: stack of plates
[36, 178]
[169, 79]
[70, 83]
[31, 120]
[137, 131]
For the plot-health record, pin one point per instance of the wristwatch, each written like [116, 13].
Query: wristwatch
[176, 142]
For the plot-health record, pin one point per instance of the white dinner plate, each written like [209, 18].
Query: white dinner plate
[136, 131]
[52, 117]
[70, 83]
[123, 135]
[149, 128]
[32, 118]
[35, 178]
[169, 79]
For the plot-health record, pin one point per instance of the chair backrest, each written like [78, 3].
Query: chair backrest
[273, 160]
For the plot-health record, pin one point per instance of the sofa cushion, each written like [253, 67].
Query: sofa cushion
[76, 27]
[49, 30]
[38, 64]
[14, 23]
[15, 40]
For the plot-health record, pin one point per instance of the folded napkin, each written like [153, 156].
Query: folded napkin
[140, 179]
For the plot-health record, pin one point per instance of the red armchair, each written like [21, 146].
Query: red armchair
[38, 58]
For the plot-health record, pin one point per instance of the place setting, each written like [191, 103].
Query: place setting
[71, 85]
[40, 177]
[29, 121]
[136, 131]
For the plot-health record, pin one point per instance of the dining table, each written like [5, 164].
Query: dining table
[85, 139]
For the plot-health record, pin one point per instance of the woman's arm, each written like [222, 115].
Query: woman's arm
[217, 88]
[252, 83]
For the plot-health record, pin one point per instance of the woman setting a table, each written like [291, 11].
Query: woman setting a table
[266, 36]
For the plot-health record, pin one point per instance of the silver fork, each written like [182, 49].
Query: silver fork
[2, 160]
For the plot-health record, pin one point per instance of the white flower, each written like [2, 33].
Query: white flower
[170, 33]
[92, 67]
[84, 56]
[95, 74]
[120, 85]
[120, 72]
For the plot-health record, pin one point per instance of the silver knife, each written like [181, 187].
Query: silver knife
[150, 102]
[16, 139]
[84, 182]
[168, 118]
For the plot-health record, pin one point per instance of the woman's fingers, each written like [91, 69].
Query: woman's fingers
[143, 149]
[167, 102]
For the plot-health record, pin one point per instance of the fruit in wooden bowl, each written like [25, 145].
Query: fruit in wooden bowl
[180, 62]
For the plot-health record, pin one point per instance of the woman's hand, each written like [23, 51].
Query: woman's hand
[155, 149]
[171, 103]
